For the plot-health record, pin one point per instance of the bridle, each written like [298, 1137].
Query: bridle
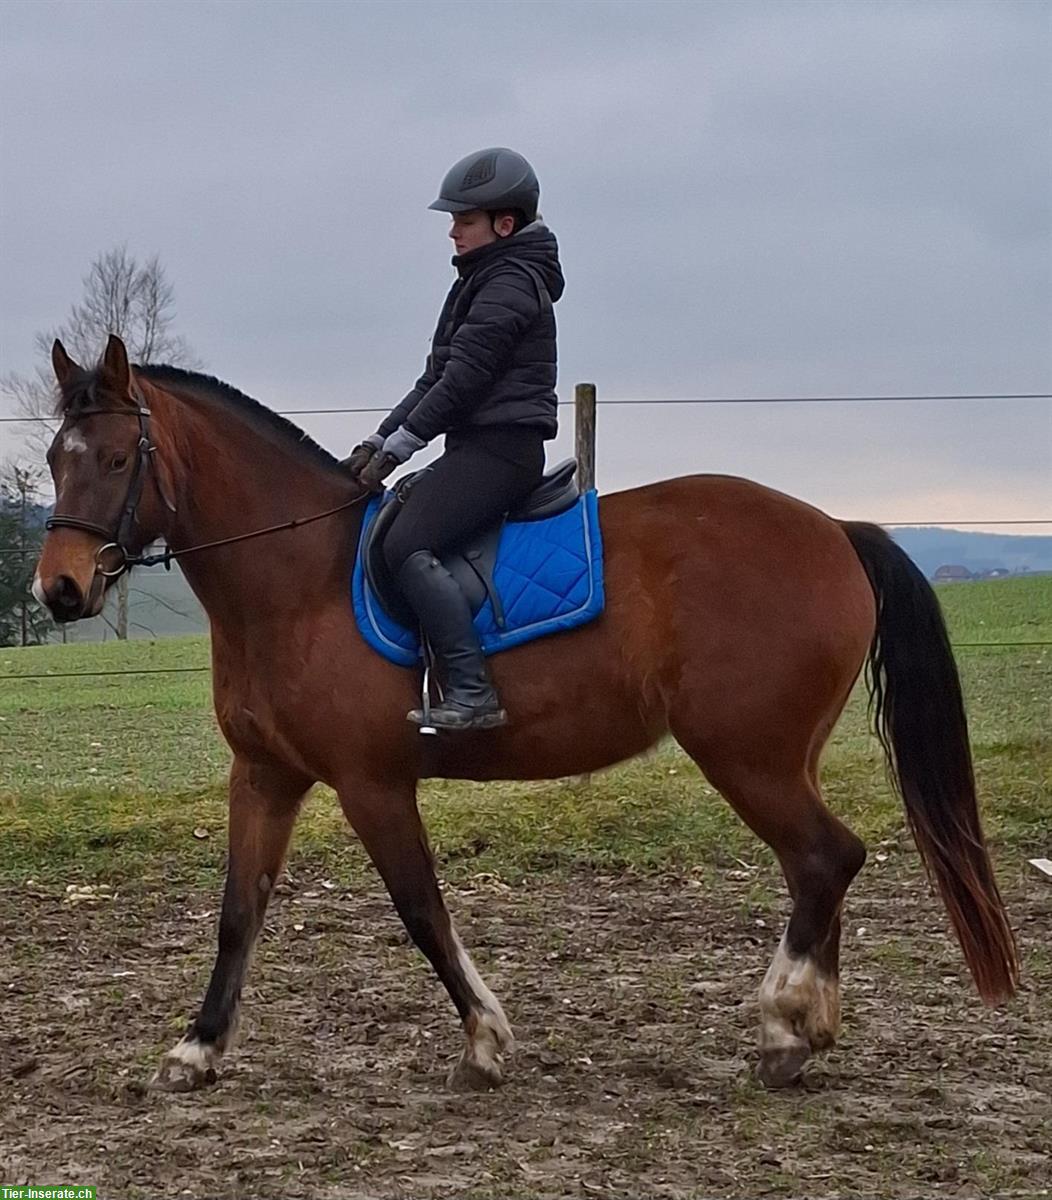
[118, 539]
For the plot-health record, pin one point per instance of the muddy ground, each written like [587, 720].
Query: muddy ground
[634, 1002]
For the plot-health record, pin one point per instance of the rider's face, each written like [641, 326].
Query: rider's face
[469, 230]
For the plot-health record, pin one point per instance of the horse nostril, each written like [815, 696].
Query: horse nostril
[67, 601]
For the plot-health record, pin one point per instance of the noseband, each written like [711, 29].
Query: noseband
[118, 539]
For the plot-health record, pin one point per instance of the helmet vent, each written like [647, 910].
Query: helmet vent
[481, 171]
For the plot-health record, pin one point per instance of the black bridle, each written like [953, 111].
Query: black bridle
[118, 539]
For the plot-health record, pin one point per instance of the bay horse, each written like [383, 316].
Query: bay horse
[737, 620]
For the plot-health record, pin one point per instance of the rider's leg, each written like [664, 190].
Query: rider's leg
[464, 492]
[469, 699]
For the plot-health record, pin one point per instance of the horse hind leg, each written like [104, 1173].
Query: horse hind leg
[819, 856]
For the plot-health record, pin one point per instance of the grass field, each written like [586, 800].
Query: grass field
[110, 775]
[625, 921]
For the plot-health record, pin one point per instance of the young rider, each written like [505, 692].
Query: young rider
[489, 386]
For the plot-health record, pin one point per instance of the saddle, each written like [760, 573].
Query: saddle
[472, 566]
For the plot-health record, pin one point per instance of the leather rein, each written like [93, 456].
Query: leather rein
[117, 539]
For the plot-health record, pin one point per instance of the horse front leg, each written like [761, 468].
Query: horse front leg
[264, 803]
[386, 819]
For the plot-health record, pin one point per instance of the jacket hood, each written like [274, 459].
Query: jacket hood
[535, 244]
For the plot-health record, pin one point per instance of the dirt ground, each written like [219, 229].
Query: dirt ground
[634, 1002]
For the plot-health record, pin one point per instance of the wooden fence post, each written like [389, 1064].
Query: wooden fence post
[584, 434]
[584, 449]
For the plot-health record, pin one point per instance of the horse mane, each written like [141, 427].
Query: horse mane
[80, 392]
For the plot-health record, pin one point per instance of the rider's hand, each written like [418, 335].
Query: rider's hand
[361, 454]
[397, 449]
[376, 470]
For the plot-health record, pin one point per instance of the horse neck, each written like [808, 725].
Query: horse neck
[232, 477]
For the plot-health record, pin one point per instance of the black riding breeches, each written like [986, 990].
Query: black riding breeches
[466, 491]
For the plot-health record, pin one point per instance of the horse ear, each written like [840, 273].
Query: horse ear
[115, 364]
[63, 365]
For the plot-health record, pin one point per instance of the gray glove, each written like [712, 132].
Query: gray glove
[402, 445]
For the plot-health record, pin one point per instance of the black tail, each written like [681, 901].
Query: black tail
[918, 712]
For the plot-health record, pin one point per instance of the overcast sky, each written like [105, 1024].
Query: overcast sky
[752, 199]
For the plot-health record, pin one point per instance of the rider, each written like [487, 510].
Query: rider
[489, 386]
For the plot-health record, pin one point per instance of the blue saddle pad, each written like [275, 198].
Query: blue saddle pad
[548, 575]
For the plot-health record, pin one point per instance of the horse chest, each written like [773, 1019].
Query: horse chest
[255, 711]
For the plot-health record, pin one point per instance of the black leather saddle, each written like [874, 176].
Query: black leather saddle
[472, 567]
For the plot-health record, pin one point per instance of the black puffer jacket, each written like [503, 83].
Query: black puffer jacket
[493, 360]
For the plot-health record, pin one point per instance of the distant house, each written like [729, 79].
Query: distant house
[996, 573]
[952, 574]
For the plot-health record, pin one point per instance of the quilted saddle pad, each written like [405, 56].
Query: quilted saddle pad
[548, 575]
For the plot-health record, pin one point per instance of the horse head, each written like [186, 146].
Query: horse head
[112, 493]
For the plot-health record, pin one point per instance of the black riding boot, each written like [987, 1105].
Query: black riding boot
[469, 701]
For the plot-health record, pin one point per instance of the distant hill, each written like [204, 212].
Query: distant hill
[934, 547]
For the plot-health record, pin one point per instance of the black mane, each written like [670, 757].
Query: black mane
[80, 393]
[257, 414]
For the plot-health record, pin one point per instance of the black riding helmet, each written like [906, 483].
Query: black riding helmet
[492, 179]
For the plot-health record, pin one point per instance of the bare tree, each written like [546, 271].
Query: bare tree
[131, 299]
[123, 296]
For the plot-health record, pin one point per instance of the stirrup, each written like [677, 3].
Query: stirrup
[424, 711]
[450, 714]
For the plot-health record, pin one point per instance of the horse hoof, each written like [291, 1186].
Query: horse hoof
[470, 1075]
[184, 1069]
[782, 1068]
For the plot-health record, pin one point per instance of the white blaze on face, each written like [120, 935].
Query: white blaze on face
[38, 591]
[73, 442]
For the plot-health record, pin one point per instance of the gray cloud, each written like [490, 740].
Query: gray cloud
[752, 198]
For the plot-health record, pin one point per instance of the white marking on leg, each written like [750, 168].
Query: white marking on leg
[489, 1036]
[73, 442]
[189, 1064]
[485, 997]
[493, 1033]
[196, 1055]
[797, 1000]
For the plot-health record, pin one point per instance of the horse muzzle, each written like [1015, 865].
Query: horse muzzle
[67, 582]
[67, 600]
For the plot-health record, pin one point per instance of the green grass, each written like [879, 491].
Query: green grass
[107, 778]
[1009, 610]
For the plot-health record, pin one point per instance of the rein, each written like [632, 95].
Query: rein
[128, 517]
[166, 556]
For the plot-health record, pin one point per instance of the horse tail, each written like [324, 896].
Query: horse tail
[918, 714]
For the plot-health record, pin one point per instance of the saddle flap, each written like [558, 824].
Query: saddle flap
[472, 567]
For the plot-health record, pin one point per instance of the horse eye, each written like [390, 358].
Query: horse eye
[118, 462]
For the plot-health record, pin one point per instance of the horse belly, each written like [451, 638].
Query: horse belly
[577, 701]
